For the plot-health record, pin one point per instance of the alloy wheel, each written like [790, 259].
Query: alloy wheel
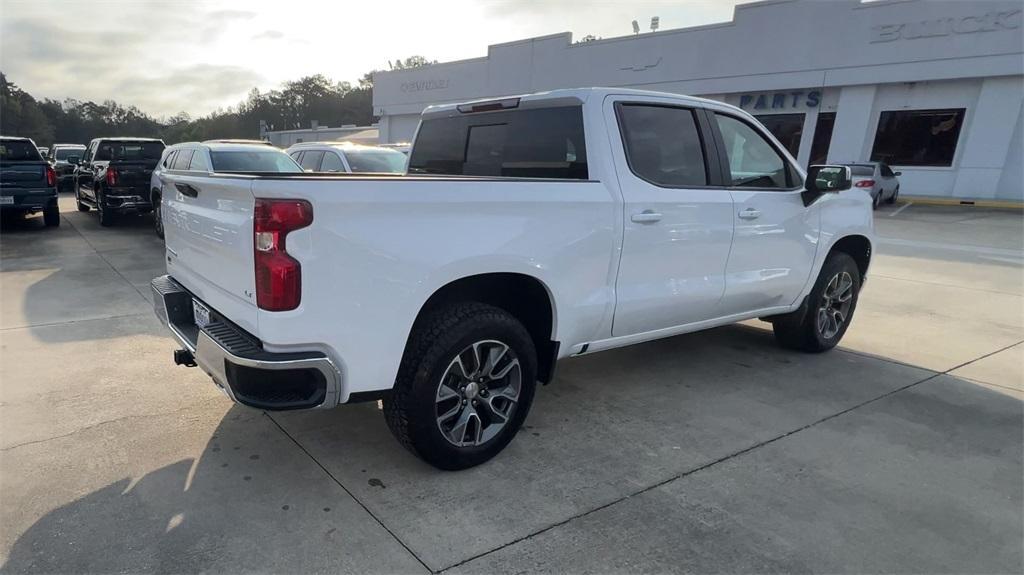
[834, 308]
[478, 393]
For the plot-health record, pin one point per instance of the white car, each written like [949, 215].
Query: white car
[190, 160]
[877, 179]
[529, 229]
[346, 157]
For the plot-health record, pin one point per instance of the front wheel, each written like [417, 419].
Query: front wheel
[464, 387]
[895, 194]
[826, 314]
[78, 200]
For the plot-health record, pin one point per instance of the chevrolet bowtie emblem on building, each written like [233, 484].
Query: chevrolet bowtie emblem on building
[642, 67]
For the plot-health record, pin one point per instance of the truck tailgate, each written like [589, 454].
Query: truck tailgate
[18, 175]
[209, 237]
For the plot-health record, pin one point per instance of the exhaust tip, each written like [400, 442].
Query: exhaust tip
[184, 357]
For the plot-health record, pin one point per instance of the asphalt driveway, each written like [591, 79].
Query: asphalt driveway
[899, 452]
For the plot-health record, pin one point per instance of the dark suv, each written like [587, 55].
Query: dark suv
[28, 183]
[113, 177]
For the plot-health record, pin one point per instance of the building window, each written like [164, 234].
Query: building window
[822, 138]
[917, 137]
[787, 129]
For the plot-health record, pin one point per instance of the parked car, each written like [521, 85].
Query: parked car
[192, 159]
[28, 183]
[64, 158]
[546, 226]
[346, 157]
[113, 177]
[877, 179]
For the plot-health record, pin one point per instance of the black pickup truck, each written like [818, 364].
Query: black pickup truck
[28, 183]
[114, 175]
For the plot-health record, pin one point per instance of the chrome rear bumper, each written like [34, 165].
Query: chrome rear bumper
[237, 362]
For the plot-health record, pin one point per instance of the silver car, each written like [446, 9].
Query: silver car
[878, 179]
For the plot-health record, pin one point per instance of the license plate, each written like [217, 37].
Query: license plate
[201, 314]
[6, 200]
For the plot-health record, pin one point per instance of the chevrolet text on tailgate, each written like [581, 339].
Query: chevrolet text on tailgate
[527, 229]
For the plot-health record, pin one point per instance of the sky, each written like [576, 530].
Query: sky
[197, 56]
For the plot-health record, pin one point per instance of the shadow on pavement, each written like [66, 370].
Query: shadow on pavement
[941, 463]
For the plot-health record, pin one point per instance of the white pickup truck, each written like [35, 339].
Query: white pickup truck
[528, 229]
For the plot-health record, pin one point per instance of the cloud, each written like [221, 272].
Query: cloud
[269, 35]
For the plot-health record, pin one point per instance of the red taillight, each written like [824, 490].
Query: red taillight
[278, 275]
[51, 176]
[864, 184]
[111, 177]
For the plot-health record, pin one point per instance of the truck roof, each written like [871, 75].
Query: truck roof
[570, 94]
[226, 146]
[129, 139]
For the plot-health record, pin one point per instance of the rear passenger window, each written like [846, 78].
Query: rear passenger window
[199, 163]
[663, 145]
[532, 143]
[332, 163]
[311, 160]
[181, 161]
[169, 159]
[753, 162]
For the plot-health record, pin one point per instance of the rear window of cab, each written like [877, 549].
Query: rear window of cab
[528, 143]
[19, 151]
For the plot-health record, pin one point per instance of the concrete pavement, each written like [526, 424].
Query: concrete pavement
[901, 451]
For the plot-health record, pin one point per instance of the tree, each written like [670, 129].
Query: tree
[20, 114]
[294, 105]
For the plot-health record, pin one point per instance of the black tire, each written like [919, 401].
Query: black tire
[158, 222]
[51, 215]
[875, 200]
[78, 200]
[411, 410]
[106, 216]
[895, 194]
[802, 329]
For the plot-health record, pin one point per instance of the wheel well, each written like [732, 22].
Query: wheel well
[153, 195]
[858, 248]
[523, 296]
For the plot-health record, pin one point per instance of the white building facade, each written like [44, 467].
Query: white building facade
[933, 88]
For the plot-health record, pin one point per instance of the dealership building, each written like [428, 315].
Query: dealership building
[933, 88]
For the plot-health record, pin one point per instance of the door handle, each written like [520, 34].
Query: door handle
[646, 217]
[750, 214]
[187, 189]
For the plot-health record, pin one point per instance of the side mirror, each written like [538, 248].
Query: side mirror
[898, 173]
[825, 180]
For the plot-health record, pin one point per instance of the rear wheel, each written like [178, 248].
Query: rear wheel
[106, 216]
[51, 215]
[826, 314]
[875, 200]
[158, 222]
[464, 387]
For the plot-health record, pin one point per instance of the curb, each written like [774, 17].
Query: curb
[997, 204]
